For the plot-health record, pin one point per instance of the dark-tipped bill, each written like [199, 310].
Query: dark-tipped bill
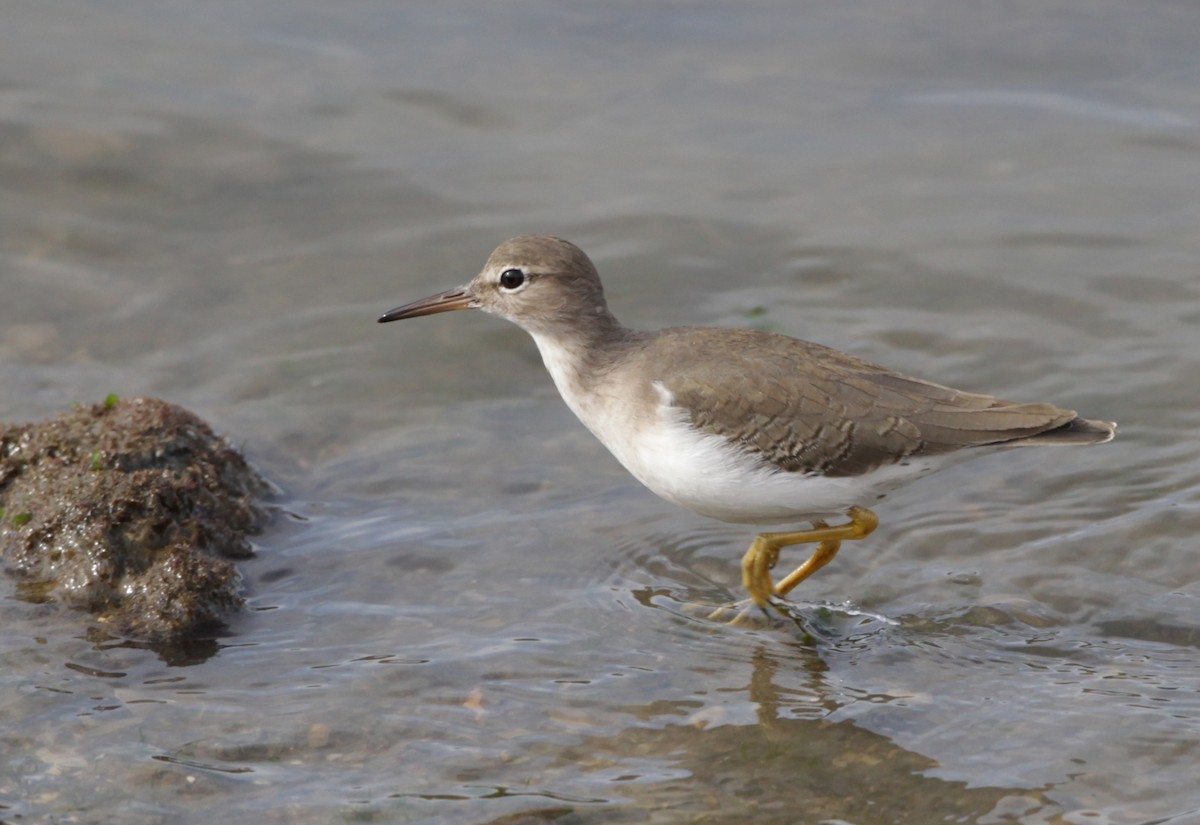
[447, 301]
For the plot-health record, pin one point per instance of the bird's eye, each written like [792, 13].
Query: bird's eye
[512, 279]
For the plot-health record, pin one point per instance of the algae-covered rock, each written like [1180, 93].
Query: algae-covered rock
[131, 509]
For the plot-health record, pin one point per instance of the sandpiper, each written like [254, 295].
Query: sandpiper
[740, 425]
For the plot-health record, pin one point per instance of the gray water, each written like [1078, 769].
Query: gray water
[465, 611]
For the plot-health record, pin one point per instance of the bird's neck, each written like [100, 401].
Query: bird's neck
[584, 334]
[580, 352]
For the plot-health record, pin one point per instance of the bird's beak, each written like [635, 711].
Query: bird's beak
[448, 301]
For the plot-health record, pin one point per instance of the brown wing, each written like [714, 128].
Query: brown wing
[808, 408]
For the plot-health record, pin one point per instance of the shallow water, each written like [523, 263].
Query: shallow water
[465, 611]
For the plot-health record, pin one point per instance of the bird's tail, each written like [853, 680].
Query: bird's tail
[1077, 431]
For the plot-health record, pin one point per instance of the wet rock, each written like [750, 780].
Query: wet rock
[131, 509]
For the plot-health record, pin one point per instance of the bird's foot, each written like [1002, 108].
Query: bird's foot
[744, 614]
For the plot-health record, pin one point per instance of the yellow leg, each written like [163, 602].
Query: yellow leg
[760, 559]
[824, 554]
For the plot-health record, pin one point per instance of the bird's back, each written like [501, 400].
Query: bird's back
[807, 408]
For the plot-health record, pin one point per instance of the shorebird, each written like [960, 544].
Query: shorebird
[740, 425]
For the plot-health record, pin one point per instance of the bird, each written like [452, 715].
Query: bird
[740, 425]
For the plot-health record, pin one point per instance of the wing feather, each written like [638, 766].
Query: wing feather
[807, 408]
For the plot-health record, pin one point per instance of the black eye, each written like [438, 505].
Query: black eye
[512, 278]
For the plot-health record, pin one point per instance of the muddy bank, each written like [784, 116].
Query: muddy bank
[133, 510]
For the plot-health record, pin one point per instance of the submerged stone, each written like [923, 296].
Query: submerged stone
[130, 509]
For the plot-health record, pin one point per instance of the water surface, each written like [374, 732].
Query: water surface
[466, 612]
